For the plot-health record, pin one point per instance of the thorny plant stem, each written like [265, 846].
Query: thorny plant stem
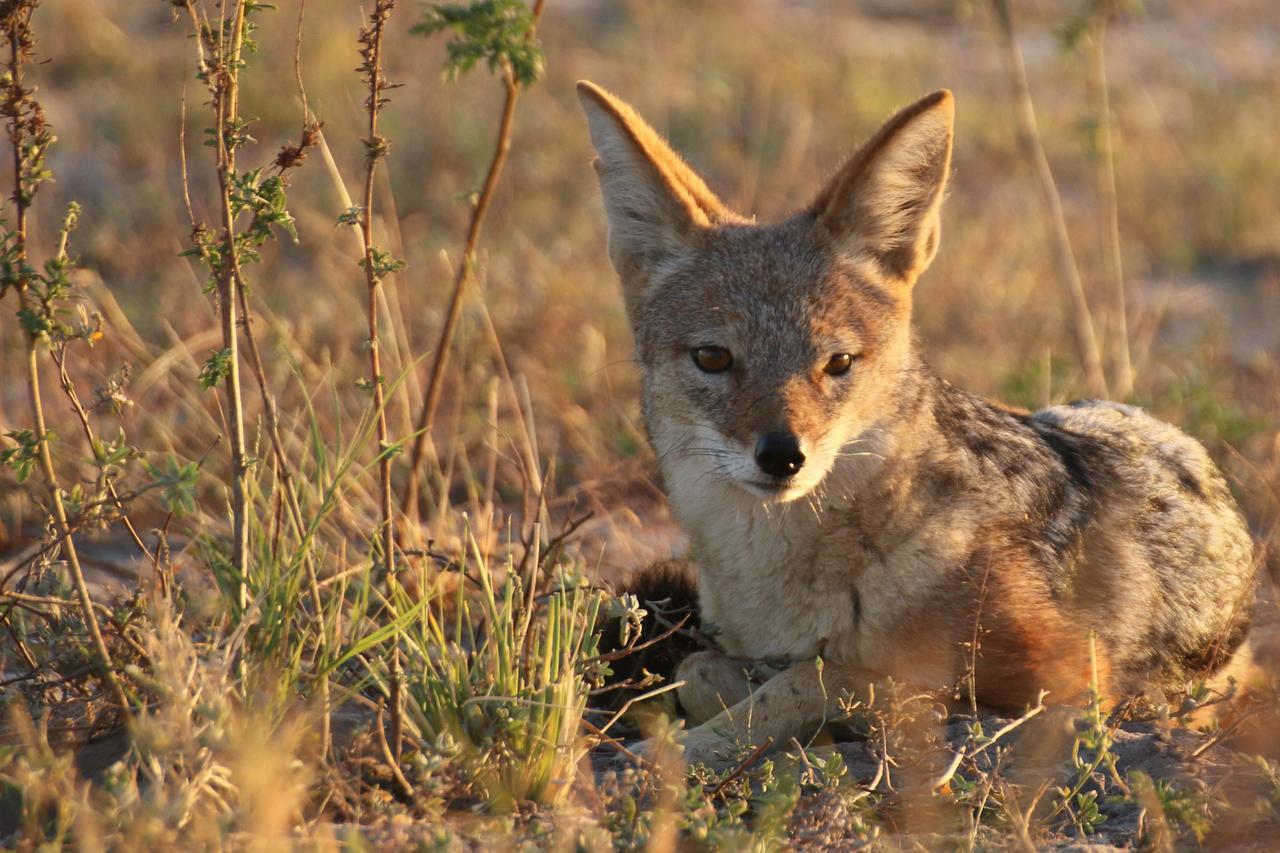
[60, 510]
[220, 65]
[271, 411]
[1063, 257]
[440, 359]
[375, 150]
[228, 109]
[231, 282]
[69, 391]
[18, 35]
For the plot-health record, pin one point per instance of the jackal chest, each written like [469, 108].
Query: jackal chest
[763, 589]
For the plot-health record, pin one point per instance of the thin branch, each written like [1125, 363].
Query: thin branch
[1063, 256]
[29, 138]
[1110, 203]
[618, 654]
[289, 158]
[376, 147]
[69, 391]
[742, 767]
[657, 691]
[440, 360]
[1227, 731]
[396, 772]
[976, 750]
[219, 69]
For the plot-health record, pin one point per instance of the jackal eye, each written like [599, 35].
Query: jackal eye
[839, 364]
[712, 359]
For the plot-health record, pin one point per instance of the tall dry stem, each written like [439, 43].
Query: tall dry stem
[1123, 385]
[1060, 238]
[466, 266]
[219, 69]
[376, 265]
[59, 353]
[290, 157]
[29, 138]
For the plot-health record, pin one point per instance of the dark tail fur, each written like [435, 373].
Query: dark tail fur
[668, 591]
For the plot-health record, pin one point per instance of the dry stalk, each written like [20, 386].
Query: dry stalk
[59, 354]
[69, 391]
[974, 749]
[1063, 256]
[376, 147]
[742, 767]
[29, 136]
[220, 70]
[440, 359]
[1110, 202]
[219, 66]
[289, 158]
[226, 104]
[405, 788]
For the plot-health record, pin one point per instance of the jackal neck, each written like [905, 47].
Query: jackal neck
[913, 462]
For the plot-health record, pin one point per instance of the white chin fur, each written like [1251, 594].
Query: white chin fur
[787, 493]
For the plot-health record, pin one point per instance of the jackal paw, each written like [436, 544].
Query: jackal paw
[695, 747]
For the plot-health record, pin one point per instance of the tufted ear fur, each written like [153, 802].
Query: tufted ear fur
[655, 203]
[884, 203]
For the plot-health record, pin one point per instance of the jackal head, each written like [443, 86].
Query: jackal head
[771, 351]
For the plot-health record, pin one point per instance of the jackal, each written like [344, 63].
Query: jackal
[844, 503]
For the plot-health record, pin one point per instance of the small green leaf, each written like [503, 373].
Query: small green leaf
[216, 368]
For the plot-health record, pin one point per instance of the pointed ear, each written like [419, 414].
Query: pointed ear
[885, 202]
[655, 203]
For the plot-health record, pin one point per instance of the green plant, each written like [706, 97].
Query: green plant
[502, 679]
[1170, 802]
[1091, 751]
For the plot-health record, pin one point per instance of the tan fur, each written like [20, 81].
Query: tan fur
[927, 534]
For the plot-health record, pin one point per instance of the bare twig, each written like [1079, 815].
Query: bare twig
[616, 744]
[741, 768]
[219, 69]
[968, 753]
[69, 391]
[1063, 257]
[289, 158]
[1226, 732]
[376, 147]
[657, 691]
[628, 650]
[392, 764]
[440, 359]
[1107, 186]
[29, 137]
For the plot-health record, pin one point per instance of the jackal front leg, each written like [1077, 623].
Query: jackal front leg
[795, 703]
[713, 681]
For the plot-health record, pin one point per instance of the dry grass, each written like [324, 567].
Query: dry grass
[537, 423]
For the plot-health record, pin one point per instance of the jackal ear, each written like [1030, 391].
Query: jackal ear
[886, 199]
[654, 201]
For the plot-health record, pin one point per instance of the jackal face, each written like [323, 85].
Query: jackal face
[770, 352]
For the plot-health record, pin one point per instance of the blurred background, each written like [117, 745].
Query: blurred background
[764, 98]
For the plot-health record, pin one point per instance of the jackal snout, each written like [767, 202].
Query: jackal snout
[778, 454]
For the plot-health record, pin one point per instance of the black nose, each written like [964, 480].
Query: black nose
[778, 454]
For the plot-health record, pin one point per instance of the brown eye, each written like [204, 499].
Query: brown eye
[839, 364]
[712, 359]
